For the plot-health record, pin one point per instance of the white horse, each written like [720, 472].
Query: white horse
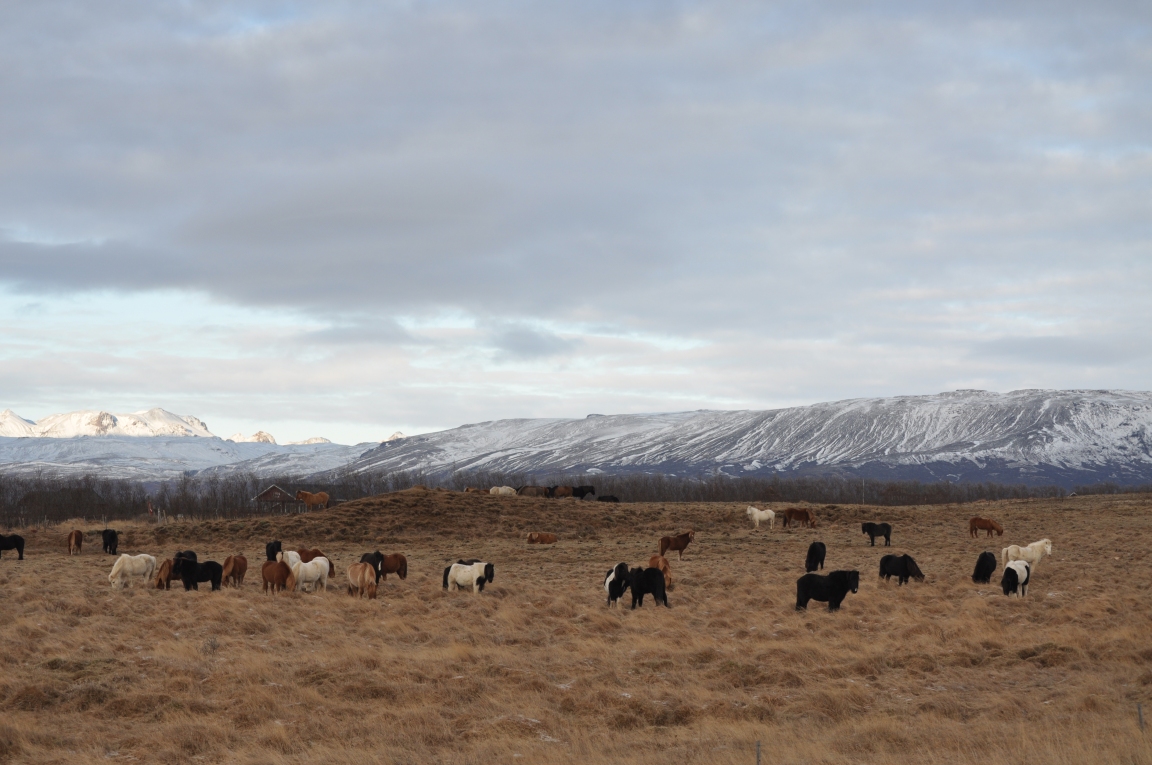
[143, 566]
[290, 557]
[507, 490]
[1023, 574]
[1030, 554]
[314, 572]
[758, 515]
[472, 575]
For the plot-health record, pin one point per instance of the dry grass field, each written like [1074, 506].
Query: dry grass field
[538, 670]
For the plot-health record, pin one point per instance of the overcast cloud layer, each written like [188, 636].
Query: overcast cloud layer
[345, 219]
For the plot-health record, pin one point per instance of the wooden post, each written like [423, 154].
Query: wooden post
[758, 751]
[1140, 714]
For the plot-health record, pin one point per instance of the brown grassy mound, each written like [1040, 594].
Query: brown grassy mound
[538, 670]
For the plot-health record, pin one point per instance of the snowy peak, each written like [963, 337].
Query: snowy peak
[259, 437]
[153, 422]
[309, 441]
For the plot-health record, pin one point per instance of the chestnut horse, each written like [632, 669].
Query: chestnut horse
[164, 575]
[394, 564]
[310, 500]
[75, 541]
[800, 515]
[989, 525]
[235, 567]
[278, 576]
[307, 556]
[660, 562]
[541, 538]
[677, 543]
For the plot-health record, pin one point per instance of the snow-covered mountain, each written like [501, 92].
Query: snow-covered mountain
[1033, 436]
[153, 422]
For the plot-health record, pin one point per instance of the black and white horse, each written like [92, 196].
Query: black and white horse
[616, 581]
[815, 557]
[471, 573]
[14, 542]
[111, 540]
[1016, 577]
[985, 566]
[902, 567]
[831, 589]
[874, 530]
[648, 581]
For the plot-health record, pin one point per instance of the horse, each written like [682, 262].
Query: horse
[472, 574]
[504, 491]
[985, 565]
[362, 580]
[75, 542]
[164, 575]
[989, 525]
[648, 581]
[532, 491]
[660, 562]
[311, 555]
[272, 548]
[874, 530]
[756, 515]
[615, 582]
[375, 560]
[131, 565]
[902, 567]
[277, 576]
[677, 543]
[557, 492]
[608, 498]
[541, 538]
[471, 490]
[111, 539]
[815, 557]
[192, 573]
[291, 557]
[580, 492]
[1017, 575]
[13, 542]
[801, 515]
[314, 572]
[1030, 554]
[832, 588]
[310, 500]
[235, 567]
[394, 564]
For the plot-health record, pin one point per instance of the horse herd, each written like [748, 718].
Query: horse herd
[549, 492]
[309, 569]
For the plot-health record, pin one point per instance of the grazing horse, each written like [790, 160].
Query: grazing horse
[362, 580]
[310, 555]
[648, 581]
[185, 554]
[291, 557]
[832, 588]
[277, 576]
[13, 542]
[127, 565]
[532, 491]
[800, 515]
[507, 491]
[310, 500]
[75, 542]
[985, 565]
[989, 525]
[1030, 554]
[192, 573]
[580, 492]
[394, 564]
[541, 538]
[615, 582]
[272, 548]
[677, 543]
[556, 492]
[874, 530]
[660, 562]
[164, 575]
[468, 490]
[815, 557]
[608, 498]
[472, 573]
[314, 572]
[111, 540]
[902, 567]
[235, 567]
[756, 515]
[1017, 575]
[375, 560]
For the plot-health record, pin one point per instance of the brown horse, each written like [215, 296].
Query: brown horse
[989, 525]
[75, 542]
[800, 515]
[235, 567]
[277, 575]
[532, 491]
[474, 490]
[557, 492]
[362, 580]
[307, 556]
[660, 562]
[541, 538]
[164, 575]
[394, 564]
[677, 543]
[310, 500]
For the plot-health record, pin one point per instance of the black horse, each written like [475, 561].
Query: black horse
[191, 572]
[14, 542]
[902, 567]
[648, 581]
[375, 560]
[111, 540]
[186, 554]
[272, 548]
[579, 492]
[985, 566]
[616, 581]
[832, 588]
[874, 530]
[815, 559]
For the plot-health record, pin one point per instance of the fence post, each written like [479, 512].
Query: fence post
[1140, 715]
[757, 753]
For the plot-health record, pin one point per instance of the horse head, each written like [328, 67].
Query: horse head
[489, 571]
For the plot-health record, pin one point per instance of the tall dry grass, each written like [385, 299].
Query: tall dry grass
[538, 670]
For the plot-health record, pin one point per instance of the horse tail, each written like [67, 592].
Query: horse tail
[446, 576]
[403, 571]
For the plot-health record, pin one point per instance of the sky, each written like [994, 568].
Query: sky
[346, 219]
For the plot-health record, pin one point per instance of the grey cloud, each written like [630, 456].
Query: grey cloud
[528, 343]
